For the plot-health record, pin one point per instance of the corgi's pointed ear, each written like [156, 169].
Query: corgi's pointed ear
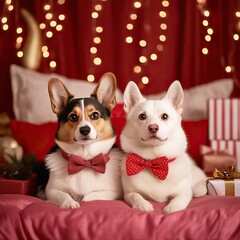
[175, 95]
[59, 95]
[131, 96]
[106, 90]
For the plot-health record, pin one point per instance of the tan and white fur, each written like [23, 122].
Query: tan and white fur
[184, 180]
[84, 130]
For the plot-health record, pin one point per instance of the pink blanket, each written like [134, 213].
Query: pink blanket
[208, 217]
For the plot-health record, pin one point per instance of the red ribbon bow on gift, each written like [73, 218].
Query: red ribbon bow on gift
[76, 163]
[158, 166]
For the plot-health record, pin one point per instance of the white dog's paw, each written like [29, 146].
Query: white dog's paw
[143, 205]
[170, 208]
[69, 203]
[199, 189]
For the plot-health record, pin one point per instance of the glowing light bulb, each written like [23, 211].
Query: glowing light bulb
[99, 29]
[52, 64]
[97, 40]
[205, 51]
[94, 15]
[19, 30]
[129, 26]
[145, 80]
[93, 50]
[165, 3]
[137, 69]
[142, 59]
[162, 38]
[90, 78]
[5, 27]
[42, 26]
[163, 26]
[210, 31]
[205, 23]
[133, 16]
[206, 13]
[53, 23]
[208, 38]
[97, 61]
[59, 27]
[61, 17]
[47, 7]
[143, 43]
[236, 37]
[228, 69]
[49, 34]
[153, 56]
[162, 14]
[4, 20]
[137, 4]
[48, 16]
[20, 54]
[98, 7]
[129, 39]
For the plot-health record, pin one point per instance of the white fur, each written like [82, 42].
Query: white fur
[184, 179]
[66, 190]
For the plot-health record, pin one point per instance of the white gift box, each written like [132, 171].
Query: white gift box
[224, 119]
[223, 187]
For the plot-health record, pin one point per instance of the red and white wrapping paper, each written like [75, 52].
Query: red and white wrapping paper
[233, 148]
[224, 119]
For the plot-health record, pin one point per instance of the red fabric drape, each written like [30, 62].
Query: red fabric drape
[180, 58]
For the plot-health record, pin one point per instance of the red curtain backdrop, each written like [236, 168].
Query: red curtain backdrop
[177, 44]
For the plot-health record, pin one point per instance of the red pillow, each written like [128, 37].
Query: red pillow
[197, 134]
[37, 139]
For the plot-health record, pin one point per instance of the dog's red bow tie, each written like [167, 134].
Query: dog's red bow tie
[158, 166]
[76, 163]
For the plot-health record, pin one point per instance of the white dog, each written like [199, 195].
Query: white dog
[157, 166]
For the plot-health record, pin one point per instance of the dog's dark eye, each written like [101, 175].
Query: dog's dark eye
[95, 116]
[73, 117]
[164, 116]
[142, 116]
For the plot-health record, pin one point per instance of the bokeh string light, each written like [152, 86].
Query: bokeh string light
[97, 30]
[51, 24]
[227, 64]
[148, 51]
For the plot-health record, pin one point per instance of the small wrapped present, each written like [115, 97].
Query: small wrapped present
[231, 146]
[224, 183]
[219, 159]
[224, 119]
[13, 186]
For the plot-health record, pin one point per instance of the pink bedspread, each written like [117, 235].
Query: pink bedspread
[208, 217]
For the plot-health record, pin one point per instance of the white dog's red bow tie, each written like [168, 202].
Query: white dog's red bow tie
[158, 166]
[76, 163]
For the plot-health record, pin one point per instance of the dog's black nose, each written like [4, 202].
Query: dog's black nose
[85, 130]
[153, 128]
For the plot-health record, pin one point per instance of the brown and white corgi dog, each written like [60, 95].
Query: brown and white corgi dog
[86, 166]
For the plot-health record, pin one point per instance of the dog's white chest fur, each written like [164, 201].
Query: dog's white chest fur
[86, 181]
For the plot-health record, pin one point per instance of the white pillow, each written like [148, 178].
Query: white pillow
[195, 98]
[31, 101]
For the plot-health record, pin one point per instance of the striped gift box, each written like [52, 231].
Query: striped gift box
[224, 119]
[231, 146]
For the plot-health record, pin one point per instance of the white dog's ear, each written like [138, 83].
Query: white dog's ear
[59, 95]
[106, 90]
[131, 96]
[175, 95]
